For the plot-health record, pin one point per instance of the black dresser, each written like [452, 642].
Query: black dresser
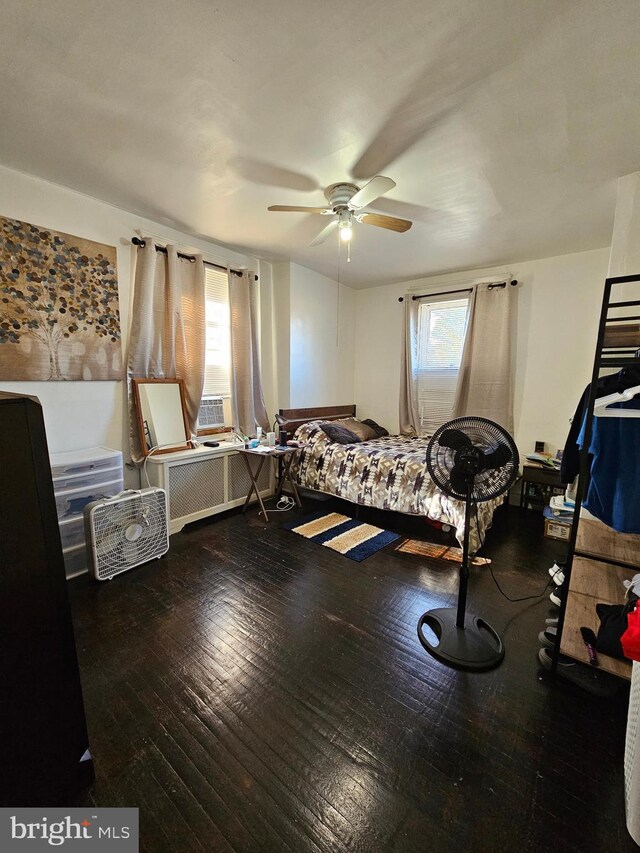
[44, 757]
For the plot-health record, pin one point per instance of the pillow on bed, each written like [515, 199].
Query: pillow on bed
[339, 433]
[379, 430]
[362, 429]
[358, 428]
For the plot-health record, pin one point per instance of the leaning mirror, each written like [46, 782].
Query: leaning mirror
[162, 417]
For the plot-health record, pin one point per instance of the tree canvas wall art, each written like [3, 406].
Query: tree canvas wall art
[59, 315]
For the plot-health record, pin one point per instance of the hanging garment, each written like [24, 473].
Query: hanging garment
[570, 465]
[613, 495]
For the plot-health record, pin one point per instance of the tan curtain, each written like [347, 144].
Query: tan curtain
[249, 409]
[485, 377]
[409, 418]
[167, 338]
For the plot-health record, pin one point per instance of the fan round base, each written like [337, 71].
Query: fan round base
[476, 646]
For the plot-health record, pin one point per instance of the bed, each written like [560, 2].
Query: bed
[387, 473]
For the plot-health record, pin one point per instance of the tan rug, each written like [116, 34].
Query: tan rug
[343, 534]
[441, 552]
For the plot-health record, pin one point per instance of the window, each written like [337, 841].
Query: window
[217, 371]
[442, 326]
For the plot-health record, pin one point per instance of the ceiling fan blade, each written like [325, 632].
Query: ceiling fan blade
[322, 236]
[370, 192]
[390, 222]
[294, 209]
[268, 174]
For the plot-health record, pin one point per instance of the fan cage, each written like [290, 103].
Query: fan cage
[485, 435]
[113, 524]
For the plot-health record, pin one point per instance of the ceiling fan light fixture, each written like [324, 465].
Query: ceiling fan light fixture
[344, 223]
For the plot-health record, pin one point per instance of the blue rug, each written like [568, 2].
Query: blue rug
[348, 537]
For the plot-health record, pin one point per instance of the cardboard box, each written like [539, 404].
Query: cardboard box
[555, 529]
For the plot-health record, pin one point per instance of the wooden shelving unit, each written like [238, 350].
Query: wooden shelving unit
[590, 585]
[624, 335]
[599, 558]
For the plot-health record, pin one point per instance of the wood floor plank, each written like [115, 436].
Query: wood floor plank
[254, 691]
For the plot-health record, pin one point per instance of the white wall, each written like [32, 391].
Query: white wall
[313, 338]
[322, 356]
[282, 335]
[558, 308]
[305, 361]
[85, 414]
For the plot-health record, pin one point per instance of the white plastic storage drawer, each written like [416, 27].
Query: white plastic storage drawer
[81, 481]
[84, 461]
[73, 501]
[75, 560]
[72, 532]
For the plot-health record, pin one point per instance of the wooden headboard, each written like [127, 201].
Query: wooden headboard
[291, 419]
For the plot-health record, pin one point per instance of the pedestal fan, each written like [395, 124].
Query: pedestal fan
[474, 459]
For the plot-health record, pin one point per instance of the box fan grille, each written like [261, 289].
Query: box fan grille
[126, 531]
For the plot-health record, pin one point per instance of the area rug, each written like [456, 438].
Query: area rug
[439, 552]
[349, 537]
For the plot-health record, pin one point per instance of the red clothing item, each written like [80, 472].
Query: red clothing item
[630, 640]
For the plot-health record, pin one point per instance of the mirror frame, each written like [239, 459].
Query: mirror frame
[141, 435]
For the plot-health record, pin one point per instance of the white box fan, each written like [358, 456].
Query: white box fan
[125, 531]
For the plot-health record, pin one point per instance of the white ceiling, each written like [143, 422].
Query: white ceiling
[504, 123]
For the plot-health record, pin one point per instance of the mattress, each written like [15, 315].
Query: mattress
[386, 473]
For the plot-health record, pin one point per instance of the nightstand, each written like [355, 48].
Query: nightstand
[538, 485]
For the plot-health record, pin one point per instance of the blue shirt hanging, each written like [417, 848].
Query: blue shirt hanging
[614, 489]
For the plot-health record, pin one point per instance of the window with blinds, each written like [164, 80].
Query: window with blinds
[442, 326]
[217, 371]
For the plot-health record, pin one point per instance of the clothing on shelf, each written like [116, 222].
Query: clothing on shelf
[630, 640]
[613, 624]
[633, 586]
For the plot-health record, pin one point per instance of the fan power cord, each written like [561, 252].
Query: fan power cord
[151, 451]
[285, 503]
[524, 597]
[495, 580]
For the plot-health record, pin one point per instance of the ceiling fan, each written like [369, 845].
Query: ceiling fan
[345, 201]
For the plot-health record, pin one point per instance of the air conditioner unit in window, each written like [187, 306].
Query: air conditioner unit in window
[211, 414]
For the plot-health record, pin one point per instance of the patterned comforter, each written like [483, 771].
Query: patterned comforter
[385, 473]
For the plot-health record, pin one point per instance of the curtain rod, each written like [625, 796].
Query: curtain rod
[465, 290]
[138, 242]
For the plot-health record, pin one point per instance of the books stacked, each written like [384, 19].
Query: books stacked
[544, 460]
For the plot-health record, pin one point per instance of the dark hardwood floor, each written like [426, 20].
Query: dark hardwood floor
[254, 691]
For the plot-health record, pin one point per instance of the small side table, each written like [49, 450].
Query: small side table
[538, 484]
[282, 454]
